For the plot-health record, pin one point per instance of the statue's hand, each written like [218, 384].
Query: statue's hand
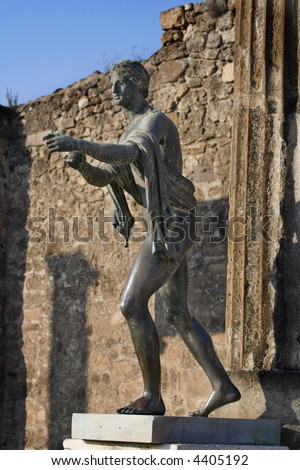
[59, 142]
[76, 160]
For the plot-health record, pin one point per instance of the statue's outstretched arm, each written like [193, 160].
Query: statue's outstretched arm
[116, 154]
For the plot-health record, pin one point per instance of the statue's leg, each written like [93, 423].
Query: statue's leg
[148, 274]
[174, 298]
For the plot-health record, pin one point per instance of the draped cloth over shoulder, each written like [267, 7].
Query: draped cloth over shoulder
[165, 190]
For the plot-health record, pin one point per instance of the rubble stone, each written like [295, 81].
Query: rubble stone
[173, 18]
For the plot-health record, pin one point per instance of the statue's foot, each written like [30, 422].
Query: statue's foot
[220, 397]
[144, 406]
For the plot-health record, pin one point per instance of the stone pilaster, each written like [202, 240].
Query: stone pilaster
[255, 226]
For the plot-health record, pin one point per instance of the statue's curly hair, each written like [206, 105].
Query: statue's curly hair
[135, 72]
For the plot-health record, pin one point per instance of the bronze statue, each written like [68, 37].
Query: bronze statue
[147, 163]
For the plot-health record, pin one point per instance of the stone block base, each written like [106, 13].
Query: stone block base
[158, 430]
[80, 444]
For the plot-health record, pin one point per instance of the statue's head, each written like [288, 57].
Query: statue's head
[135, 72]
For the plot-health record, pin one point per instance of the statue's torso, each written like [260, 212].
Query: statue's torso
[158, 125]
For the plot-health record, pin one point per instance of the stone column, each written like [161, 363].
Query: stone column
[255, 228]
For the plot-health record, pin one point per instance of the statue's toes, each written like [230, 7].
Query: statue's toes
[194, 413]
[127, 410]
[120, 411]
[198, 414]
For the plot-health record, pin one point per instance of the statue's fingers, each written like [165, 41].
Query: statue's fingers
[53, 147]
[49, 136]
[54, 141]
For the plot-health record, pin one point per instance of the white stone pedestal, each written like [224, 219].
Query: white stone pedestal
[109, 432]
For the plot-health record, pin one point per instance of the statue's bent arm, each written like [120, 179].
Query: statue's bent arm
[96, 176]
[101, 176]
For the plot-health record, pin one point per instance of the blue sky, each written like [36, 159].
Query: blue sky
[47, 45]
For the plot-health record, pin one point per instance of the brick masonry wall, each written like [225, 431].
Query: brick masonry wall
[67, 347]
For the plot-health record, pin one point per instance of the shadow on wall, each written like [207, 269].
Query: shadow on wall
[207, 270]
[72, 277]
[291, 351]
[281, 391]
[287, 282]
[15, 170]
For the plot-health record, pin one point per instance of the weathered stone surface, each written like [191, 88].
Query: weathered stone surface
[190, 17]
[168, 52]
[169, 37]
[36, 139]
[170, 71]
[173, 18]
[231, 5]
[225, 22]
[228, 72]
[214, 40]
[228, 36]
[216, 7]
[83, 102]
[220, 110]
[255, 302]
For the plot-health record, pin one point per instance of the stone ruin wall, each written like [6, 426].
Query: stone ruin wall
[67, 347]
